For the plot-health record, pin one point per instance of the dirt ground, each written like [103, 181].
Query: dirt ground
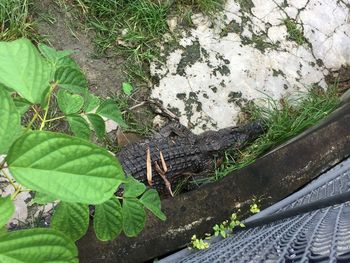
[104, 74]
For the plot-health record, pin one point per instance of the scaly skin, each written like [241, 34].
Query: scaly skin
[185, 154]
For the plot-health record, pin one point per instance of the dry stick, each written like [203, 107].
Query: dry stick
[164, 166]
[163, 109]
[162, 174]
[159, 105]
[135, 106]
[149, 167]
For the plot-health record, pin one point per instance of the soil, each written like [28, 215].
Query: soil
[104, 74]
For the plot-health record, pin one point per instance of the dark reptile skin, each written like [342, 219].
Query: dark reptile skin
[180, 154]
[184, 156]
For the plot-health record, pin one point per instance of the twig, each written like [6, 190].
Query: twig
[166, 181]
[164, 166]
[157, 104]
[149, 167]
[164, 110]
[135, 106]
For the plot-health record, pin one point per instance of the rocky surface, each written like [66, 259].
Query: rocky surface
[254, 49]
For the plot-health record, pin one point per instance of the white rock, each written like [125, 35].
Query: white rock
[226, 67]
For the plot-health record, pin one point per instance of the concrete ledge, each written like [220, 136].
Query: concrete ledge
[275, 175]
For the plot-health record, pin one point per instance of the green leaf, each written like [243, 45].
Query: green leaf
[108, 219]
[24, 70]
[127, 88]
[98, 124]
[91, 102]
[10, 121]
[43, 199]
[52, 54]
[72, 219]
[21, 104]
[69, 103]
[71, 79]
[151, 201]
[3, 230]
[67, 62]
[133, 188]
[79, 126]
[134, 217]
[37, 245]
[67, 168]
[7, 208]
[109, 109]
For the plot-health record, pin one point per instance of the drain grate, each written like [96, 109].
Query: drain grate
[320, 235]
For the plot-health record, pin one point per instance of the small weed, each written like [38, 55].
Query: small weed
[285, 119]
[199, 244]
[15, 21]
[254, 209]
[294, 31]
[224, 230]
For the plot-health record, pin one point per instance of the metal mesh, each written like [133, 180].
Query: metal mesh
[331, 183]
[318, 236]
[321, 235]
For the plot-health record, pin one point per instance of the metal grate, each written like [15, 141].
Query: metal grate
[321, 235]
[318, 236]
[333, 182]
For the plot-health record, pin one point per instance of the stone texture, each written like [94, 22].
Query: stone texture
[248, 52]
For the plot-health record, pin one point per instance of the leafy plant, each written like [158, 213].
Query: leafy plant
[55, 166]
[254, 209]
[199, 244]
[224, 230]
[227, 226]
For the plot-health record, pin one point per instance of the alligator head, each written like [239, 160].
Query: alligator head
[232, 137]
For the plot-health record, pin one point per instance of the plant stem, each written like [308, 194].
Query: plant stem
[36, 115]
[8, 177]
[55, 119]
[36, 112]
[53, 86]
[2, 163]
[14, 195]
[42, 125]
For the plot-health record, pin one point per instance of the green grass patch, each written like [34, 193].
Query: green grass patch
[134, 28]
[15, 21]
[285, 119]
[294, 31]
[208, 7]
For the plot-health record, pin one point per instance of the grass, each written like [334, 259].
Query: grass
[134, 28]
[15, 20]
[208, 7]
[294, 31]
[285, 119]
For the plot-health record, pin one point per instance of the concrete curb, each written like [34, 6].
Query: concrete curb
[278, 173]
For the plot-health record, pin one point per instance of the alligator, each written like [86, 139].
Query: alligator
[165, 159]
